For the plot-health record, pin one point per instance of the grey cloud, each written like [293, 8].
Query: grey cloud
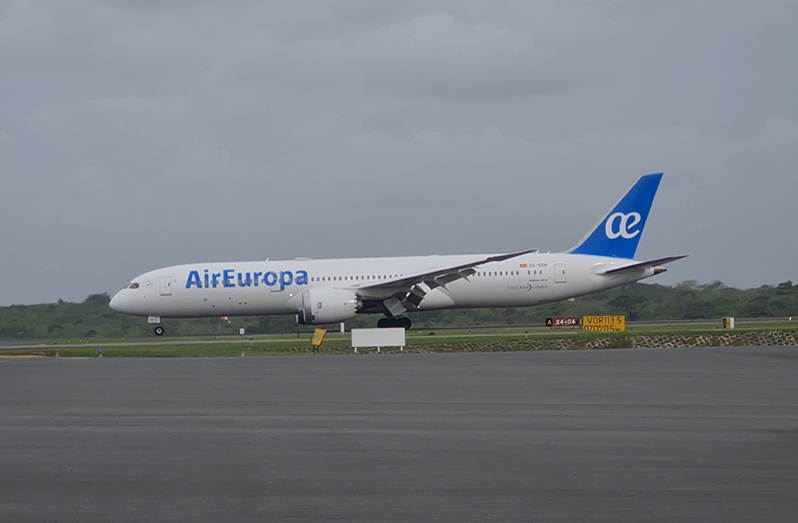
[137, 135]
[79, 37]
[159, 140]
[430, 54]
[6, 144]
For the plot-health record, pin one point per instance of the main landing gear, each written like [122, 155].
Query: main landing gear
[403, 322]
[158, 330]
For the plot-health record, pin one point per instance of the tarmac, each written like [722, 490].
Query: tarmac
[628, 435]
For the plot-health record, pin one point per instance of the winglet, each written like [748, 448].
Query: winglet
[619, 232]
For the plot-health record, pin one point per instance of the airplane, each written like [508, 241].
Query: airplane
[336, 290]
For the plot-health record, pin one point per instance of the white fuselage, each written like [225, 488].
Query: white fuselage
[276, 287]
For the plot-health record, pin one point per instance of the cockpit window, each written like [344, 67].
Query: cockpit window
[133, 285]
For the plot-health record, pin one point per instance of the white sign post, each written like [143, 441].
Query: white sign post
[362, 338]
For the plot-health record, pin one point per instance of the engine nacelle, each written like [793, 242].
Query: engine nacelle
[327, 306]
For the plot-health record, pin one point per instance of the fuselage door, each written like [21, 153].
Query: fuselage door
[559, 273]
[166, 285]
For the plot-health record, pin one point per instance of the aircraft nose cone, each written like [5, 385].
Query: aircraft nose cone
[115, 302]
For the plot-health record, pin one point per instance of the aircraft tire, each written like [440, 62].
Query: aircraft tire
[159, 330]
[386, 323]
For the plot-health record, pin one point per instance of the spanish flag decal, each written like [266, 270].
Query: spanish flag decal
[523, 265]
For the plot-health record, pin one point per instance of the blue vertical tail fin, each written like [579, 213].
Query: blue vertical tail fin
[619, 232]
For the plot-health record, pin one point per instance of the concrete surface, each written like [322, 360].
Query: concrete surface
[607, 435]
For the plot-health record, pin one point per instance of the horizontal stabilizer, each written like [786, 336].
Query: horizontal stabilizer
[643, 265]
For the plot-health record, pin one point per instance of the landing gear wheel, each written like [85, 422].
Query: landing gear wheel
[159, 330]
[386, 323]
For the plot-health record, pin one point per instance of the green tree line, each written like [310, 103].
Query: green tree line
[640, 301]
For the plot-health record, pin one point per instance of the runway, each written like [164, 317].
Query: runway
[607, 435]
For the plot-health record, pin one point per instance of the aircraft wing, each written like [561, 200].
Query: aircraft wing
[644, 265]
[408, 290]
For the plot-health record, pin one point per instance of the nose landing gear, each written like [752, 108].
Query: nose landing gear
[402, 321]
[157, 321]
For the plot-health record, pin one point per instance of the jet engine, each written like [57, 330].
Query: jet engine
[327, 306]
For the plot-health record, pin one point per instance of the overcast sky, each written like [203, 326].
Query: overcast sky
[136, 135]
